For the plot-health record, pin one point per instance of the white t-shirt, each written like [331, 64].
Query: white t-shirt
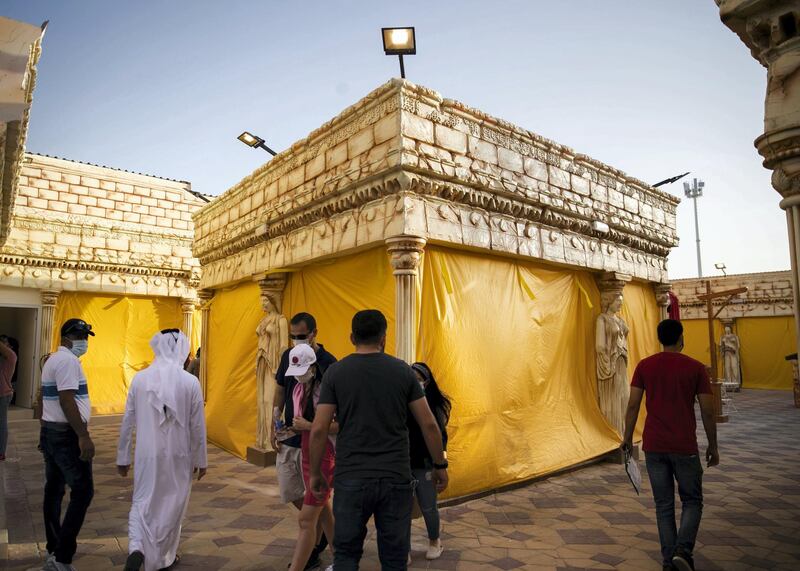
[63, 372]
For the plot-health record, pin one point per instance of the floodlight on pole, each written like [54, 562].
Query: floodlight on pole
[694, 191]
[254, 141]
[399, 42]
[722, 267]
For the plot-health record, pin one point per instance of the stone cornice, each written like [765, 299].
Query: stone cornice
[406, 144]
[90, 266]
[527, 142]
[13, 146]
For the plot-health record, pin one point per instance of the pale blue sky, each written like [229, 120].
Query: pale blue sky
[651, 87]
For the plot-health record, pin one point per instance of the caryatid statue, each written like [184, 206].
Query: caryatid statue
[729, 347]
[273, 339]
[611, 344]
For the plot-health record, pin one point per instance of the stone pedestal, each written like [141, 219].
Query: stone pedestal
[205, 313]
[406, 253]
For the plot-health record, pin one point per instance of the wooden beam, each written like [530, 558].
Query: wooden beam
[715, 295]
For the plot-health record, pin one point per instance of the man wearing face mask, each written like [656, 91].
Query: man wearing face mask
[65, 442]
[302, 331]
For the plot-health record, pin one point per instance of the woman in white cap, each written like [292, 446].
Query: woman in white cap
[303, 367]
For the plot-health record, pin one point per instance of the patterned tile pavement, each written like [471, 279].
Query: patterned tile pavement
[585, 519]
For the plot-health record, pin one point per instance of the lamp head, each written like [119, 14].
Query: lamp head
[250, 140]
[399, 41]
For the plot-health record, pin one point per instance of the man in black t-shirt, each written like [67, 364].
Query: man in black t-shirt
[371, 394]
[302, 330]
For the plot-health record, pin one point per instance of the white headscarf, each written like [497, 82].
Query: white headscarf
[171, 350]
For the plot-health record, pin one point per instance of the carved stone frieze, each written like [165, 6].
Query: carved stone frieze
[769, 294]
[421, 165]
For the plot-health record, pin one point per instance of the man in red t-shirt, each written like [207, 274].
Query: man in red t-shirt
[672, 381]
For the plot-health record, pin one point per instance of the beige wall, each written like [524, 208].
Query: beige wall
[83, 227]
[768, 294]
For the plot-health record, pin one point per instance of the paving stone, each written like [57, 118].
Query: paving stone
[585, 519]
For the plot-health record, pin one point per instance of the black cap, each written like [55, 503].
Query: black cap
[76, 325]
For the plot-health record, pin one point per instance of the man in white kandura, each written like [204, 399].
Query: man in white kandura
[165, 407]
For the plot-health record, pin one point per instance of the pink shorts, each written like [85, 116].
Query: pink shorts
[327, 467]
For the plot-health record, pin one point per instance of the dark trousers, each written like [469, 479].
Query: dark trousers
[664, 470]
[354, 502]
[63, 466]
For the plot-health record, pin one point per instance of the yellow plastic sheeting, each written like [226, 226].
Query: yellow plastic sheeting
[512, 343]
[334, 292]
[121, 347]
[765, 342]
[640, 312]
[695, 339]
[197, 330]
[231, 385]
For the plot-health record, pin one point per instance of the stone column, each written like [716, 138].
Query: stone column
[406, 253]
[205, 296]
[187, 309]
[47, 317]
[662, 298]
[770, 29]
[273, 340]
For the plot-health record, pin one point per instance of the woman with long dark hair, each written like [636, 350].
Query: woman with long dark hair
[421, 461]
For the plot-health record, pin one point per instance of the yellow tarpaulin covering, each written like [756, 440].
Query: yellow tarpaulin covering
[640, 312]
[231, 383]
[512, 344]
[121, 347]
[765, 341]
[695, 338]
[334, 292]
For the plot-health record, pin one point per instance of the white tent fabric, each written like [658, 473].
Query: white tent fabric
[165, 408]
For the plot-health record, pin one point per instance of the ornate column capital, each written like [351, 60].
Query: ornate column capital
[406, 253]
[205, 295]
[188, 304]
[272, 286]
[49, 296]
[662, 293]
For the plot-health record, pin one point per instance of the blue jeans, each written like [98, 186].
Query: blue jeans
[4, 402]
[62, 465]
[663, 470]
[354, 501]
[426, 497]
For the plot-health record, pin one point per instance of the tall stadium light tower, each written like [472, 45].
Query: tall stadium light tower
[694, 191]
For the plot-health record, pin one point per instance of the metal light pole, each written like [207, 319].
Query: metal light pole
[694, 191]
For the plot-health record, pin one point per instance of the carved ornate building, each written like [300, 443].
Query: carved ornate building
[763, 318]
[106, 245]
[485, 244]
[80, 240]
[771, 29]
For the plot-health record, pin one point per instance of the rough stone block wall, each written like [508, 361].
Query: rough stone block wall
[126, 223]
[769, 294]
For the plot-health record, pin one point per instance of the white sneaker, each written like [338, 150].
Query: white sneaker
[62, 566]
[434, 551]
[329, 567]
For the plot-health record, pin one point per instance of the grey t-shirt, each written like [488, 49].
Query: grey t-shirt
[371, 392]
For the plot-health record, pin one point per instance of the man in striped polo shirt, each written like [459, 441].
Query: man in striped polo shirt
[65, 442]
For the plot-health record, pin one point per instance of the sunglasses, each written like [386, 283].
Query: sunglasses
[80, 326]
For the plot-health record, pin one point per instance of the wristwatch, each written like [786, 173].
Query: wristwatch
[441, 466]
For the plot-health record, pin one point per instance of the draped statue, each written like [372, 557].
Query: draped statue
[611, 344]
[729, 347]
[273, 339]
